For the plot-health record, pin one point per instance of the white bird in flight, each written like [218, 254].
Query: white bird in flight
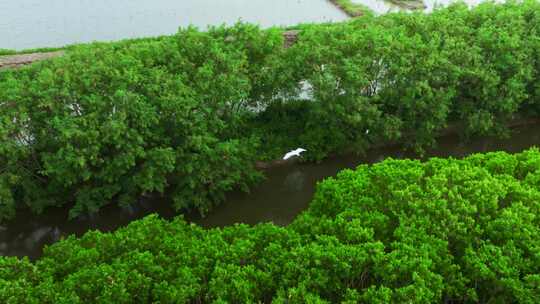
[294, 153]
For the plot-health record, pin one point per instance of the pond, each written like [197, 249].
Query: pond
[279, 199]
[28, 24]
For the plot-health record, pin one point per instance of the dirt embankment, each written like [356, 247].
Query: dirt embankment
[14, 61]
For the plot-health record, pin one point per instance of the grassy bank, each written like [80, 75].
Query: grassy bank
[5, 52]
[409, 4]
[350, 8]
[67, 48]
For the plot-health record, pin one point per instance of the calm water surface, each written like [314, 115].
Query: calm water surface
[279, 199]
[28, 24]
[51, 23]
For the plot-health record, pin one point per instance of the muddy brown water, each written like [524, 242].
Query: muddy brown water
[285, 193]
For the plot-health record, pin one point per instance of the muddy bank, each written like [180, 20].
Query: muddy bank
[15, 61]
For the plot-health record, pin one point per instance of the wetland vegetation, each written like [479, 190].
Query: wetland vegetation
[398, 231]
[188, 116]
[175, 115]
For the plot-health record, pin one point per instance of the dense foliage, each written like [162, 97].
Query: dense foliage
[401, 231]
[117, 121]
[188, 115]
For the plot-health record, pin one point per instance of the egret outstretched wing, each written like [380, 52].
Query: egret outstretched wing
[289, 155]
[294, 153]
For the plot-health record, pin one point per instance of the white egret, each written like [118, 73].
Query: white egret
[294, 153]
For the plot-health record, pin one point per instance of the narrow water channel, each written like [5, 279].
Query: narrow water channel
[279, 199]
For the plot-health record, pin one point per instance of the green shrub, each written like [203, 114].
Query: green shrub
[108, 122]
[440, 231]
